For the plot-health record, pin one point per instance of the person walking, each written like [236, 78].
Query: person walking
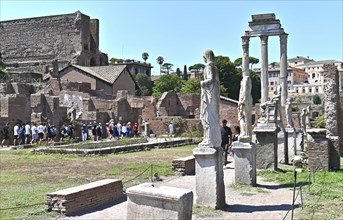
[6, 135]
[34, 133]
[135, 130]
[84, 132]
[15, 133]
[171, 129]
[226, 139]
[27, 133]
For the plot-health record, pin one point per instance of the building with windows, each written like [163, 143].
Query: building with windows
[135, 66]
[294, 77]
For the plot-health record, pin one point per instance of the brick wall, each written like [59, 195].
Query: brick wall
[124, 82]
[30, 44]
[74, 75]
[318, 150]
[84, 197]
[228, 111]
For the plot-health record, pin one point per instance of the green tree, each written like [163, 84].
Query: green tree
[115, 60]
[191, 86]
[178, 72]
[160, 61]
[252, 61]
[238, 62]
[316, 100]
[198, 66]
[185, 75]
[229, 77]
[144, 85]
[145, 56]
[167, 83]
[167, 68]
[255, 87]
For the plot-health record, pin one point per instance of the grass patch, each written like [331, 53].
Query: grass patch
[26, 178]
[204, 212]
[324, 200]
[248, 189]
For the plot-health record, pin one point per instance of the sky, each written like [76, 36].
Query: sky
[180, 31]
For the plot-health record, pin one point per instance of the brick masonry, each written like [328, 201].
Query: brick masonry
[84, 197]
[31, 44]
[184, 165]
[318, 154]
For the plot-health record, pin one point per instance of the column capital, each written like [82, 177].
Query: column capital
[245, 40]
[264, 39]
[283, 38]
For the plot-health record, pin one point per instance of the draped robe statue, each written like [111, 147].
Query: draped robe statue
[210, 99]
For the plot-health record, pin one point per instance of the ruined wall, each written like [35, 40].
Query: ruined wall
[124, 82]
[31, 44]
[340, 124]
[75, 75]
[228, 110]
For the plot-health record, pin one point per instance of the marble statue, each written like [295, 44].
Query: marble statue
[305, 118]
[244, 106]
[210, 99]
[289, 119]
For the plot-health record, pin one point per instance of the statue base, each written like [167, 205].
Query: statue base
[267, 147]
[210, 190]
[245, 163]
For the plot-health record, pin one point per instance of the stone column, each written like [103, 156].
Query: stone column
[264, 69]
[210, 188]
[245, 58]
[331, 91]
[283, 68]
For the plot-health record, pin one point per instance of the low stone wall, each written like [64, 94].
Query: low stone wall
[148, 202]
[106, 148]
[84, 197]
[184, 165]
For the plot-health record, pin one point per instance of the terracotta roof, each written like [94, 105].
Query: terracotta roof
[106, 73]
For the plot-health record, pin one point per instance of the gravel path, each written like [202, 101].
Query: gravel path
[267, 201]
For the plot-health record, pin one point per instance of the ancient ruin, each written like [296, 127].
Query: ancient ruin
[208, 155]
[29, 45]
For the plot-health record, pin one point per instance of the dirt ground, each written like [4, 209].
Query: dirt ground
[266, 201]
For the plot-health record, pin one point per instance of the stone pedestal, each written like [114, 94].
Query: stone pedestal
[148, 202]
[245, 163]
[334, 156]
[267, 147]
[147, 129]
[210, 189]
[287, 145]
[318, 149]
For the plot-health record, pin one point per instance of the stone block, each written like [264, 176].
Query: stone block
[146, 201]
[84, 197]
[184, 165]
[210, 189]
[245, 163]
[334, 157]
[267, 147]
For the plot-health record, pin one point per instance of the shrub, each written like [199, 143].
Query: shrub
[320, 122]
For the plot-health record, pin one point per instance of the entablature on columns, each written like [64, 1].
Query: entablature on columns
[264, 24]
